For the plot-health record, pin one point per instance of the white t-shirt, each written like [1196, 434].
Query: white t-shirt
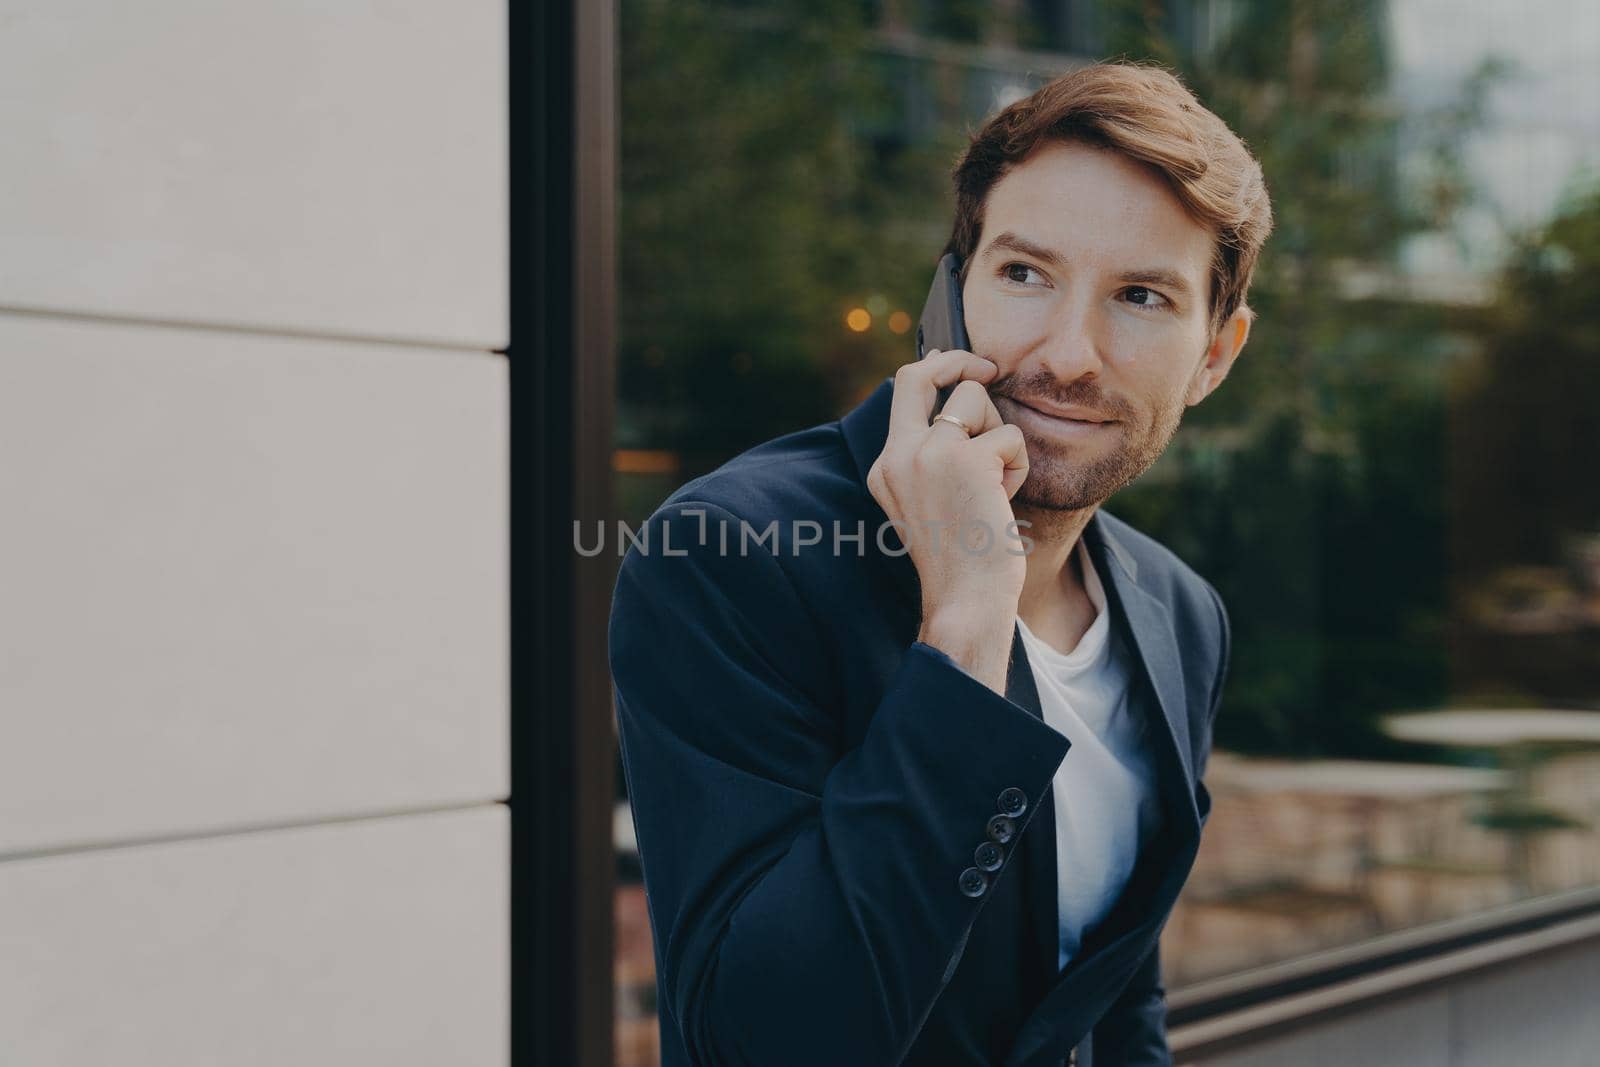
[1106, 802]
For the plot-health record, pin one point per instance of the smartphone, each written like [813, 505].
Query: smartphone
[943, 325]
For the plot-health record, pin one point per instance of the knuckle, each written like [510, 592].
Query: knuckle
[969, 387]
[1005, 436]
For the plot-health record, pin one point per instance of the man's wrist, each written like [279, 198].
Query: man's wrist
[977, 637]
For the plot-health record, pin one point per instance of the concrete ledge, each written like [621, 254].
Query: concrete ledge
[1237, 1031]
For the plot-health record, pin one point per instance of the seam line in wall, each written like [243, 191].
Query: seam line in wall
[240, 830]
[97, 318]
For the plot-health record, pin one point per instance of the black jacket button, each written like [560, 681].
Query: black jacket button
[973, 882]
[1012, 802]
[1002, 829]
[988, 857]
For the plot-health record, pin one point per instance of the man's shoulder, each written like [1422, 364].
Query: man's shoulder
[807, 474]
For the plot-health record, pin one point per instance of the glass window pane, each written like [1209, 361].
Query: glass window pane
[1393, 490]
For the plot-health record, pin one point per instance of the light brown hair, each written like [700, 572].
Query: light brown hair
[1144, 112]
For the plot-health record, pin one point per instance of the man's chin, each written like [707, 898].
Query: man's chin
[1057, 497]
[1057, 484]
[1060, 481]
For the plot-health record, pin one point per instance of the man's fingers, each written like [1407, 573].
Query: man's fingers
[1007, 443]
[917, 385]
[970, 403]
[991, 414]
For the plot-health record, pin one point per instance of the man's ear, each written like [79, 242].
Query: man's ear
[1225, 348]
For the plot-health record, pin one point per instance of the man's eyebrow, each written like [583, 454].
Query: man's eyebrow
[1168, 279]
[1018, 243]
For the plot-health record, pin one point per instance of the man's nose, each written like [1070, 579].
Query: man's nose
[1075, 346]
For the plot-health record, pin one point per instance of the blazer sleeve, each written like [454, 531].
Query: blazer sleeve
[1133, 1031]
[805, 898]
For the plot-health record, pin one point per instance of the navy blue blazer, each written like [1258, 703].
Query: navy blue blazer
[809, 782]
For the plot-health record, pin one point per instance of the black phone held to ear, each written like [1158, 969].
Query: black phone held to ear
[943, 325]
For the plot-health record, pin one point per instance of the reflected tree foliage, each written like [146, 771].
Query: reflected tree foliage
[763, 197]
[786, 162]
[1525, 511]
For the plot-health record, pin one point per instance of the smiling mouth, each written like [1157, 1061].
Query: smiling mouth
[1067, 420]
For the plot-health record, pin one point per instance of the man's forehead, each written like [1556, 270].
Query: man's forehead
[1096, 207]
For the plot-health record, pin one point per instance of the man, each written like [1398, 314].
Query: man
[899, 800]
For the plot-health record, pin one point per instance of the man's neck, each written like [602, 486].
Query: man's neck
[1055, 602]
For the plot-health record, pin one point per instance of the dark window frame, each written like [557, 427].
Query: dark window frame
[562, 211]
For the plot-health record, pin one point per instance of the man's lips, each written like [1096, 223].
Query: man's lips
[1080, 416]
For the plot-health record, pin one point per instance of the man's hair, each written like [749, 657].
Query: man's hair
[1144, 112]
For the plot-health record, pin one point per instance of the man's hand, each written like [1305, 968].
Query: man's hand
[950, 491]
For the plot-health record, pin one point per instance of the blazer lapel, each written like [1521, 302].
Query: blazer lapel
[1150, 632]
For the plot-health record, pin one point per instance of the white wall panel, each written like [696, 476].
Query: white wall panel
[376, 942]
[299, 165]
[245, 580]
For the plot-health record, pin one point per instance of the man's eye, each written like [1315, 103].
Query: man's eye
[1018, 272]
[1149, 298]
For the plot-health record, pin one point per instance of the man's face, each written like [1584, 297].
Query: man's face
[1090, 288]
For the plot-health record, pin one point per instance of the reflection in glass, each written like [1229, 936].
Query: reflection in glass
[1394, 491]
